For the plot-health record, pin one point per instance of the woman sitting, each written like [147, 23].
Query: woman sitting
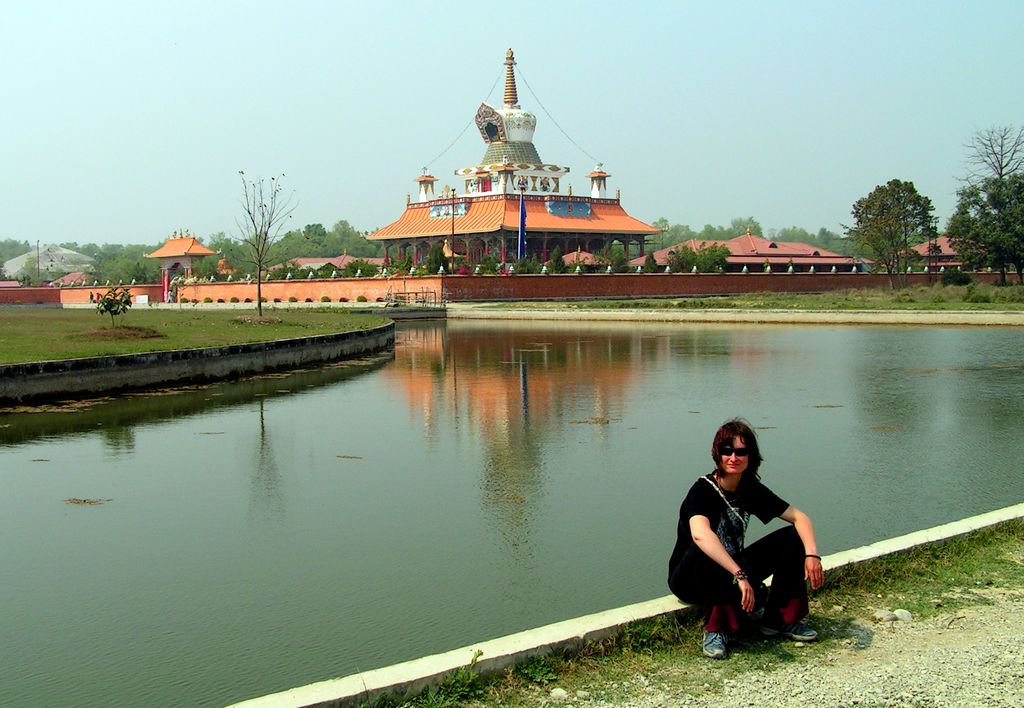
[710, 565]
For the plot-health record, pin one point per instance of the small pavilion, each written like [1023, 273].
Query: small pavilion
[482, 216]
[176, 257]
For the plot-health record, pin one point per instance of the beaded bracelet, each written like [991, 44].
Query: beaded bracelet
[738, 576]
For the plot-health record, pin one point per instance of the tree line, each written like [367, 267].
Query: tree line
[987, 228]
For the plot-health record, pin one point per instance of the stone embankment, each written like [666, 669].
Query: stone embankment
[476, 311]
[90, 375]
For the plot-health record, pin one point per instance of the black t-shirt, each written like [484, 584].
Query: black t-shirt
[704, 499]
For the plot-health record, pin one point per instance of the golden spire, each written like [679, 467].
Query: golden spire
[511, 97]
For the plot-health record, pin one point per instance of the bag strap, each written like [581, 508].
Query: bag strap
[731, 507]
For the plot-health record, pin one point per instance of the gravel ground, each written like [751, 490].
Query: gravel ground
[967, 657]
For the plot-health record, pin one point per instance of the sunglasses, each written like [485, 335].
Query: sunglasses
[725, 451]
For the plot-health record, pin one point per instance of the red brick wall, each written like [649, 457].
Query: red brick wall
[538, 287]
[546, 287]
[334, 288]
[81, 295]
[29, 296]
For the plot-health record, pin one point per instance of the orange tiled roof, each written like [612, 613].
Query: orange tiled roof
[70, 278]
[493, 213]
[748, 248]
[942, 244]
[180, 247]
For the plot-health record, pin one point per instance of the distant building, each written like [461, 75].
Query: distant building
[176, 257]
[755, 251]
[73, 278]
[938, 253]
[337, 262]
[48, 260]
[482, 216]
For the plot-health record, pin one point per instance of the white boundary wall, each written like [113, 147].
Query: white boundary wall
[412, 677]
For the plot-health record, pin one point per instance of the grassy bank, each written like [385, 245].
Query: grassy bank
[44, 334]
[979, 297]
[928, 581]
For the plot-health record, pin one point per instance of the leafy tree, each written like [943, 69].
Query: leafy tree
[114, 302]
[707, 259]
[11, 248]
[265, 208]
[364, 268]
[887, 222]
[650, 265]
[741, 225]
[995, 152]
[825, 239]
[988, 225]
[557, 261]
[436, 259]
[528, 266]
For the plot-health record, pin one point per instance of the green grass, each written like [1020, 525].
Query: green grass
[927, 581]
[979, 297]
[45, 334]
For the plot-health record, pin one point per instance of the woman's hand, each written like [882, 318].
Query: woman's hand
[747, 599]
[813, 571]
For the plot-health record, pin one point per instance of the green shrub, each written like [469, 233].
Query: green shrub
[207, 300]
[975, 295]
[183, 300]
[324, 298]
[537, 670]
[248, 299]
[220, 299]
[361, 298]
[342, 299]
[291, 299]
[235, 299]
[955, 277]
[262, 299]
[1010, 293]
[309, 299]
[116, 301]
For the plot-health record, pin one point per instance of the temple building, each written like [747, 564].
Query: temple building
[176, 257]
[756, 253]
[483, 215]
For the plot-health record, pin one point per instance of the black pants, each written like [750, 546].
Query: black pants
[698, 580]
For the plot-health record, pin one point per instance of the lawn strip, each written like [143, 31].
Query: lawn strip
[28, 335]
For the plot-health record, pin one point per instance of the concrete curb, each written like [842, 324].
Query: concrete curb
[412, 677]
[465, 311]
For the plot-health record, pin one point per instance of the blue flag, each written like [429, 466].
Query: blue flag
[521, 251]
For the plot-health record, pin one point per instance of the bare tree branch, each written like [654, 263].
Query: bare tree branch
[995, 152]
[264, 212]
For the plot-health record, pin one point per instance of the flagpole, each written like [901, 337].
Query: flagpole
[521, 246]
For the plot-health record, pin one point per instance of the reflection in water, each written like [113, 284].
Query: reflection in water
[266, 500]
[119, 439]
[514, 391]
[129, 410]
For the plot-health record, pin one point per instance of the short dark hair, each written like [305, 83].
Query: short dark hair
[737, 427]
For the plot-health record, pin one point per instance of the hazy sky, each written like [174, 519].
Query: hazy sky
[120, 122]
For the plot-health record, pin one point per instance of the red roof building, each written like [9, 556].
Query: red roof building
[754, 252]
[938, 253]
[338, 262]
[482, 216]
[176, 256]
[69, 279]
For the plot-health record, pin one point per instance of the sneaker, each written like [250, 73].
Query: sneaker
[715, 645]
[797, 631]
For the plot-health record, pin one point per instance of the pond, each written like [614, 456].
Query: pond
[252, 536]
